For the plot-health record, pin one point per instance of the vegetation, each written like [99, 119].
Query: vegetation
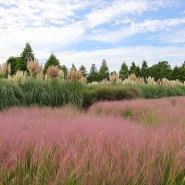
[135, 142]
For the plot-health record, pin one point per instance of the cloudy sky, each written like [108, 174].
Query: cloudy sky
[88, 31]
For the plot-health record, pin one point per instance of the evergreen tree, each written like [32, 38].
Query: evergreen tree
[26, 55]
[51, 61]
[123, 72]
[93, 75]
[144, 70]
[73, 67]
[134, 69]
[176, 73]
[83, 70]
[161, 70]
[104, 71]
[65, 70]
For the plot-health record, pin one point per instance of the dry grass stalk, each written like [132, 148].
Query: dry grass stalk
[61, 75]
[132, 77]
[75, 75]
[83, 79]
[33, 67]
[150, 80]
[114, 78]
[52, 72]
[19, 77]
[4, 68]
[9, 68]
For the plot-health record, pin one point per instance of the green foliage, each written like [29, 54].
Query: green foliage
[104, 71]
[144, 70]
[160, 70]
[26, 55]
[83, 70]
[124, 72]
[13, 61]
[53, 92]
[73, 67]
[93, 75]
[52, 60]
[134, 69]
[159, 91]
[10, 94]
[65, 70]
[108, 93]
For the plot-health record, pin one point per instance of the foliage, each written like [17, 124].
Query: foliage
[10, 94]
[83, 70]
[93, 75]
[124, 72]
[134, 69]
[103, 71]
[159, 91]
[108, 93]
[26, 56]
[52, 61]
[65, 70]
[73, 67]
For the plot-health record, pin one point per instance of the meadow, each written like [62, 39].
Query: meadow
[126, 142]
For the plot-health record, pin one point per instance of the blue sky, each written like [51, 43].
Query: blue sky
[86, 31]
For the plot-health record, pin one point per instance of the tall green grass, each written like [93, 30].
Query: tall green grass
[159, 91]
[56, 93]
[10, 94]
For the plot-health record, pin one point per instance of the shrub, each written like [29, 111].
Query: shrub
[108, 93]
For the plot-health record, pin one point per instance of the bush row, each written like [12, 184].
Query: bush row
[59, 93]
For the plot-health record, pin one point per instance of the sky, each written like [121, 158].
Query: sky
[88, 31]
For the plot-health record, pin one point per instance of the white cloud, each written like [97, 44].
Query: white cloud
[135, 28]
[176, 37]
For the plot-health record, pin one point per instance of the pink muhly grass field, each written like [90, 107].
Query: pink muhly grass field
[65, 146]
[153, 111]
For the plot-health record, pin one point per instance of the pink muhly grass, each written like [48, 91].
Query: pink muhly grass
[95, 150]
[158, 111]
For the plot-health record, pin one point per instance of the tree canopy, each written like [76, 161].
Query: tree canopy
[52, 60]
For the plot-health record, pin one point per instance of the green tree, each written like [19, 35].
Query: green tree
[15, 64]
[73, 67]
[123, 72]
[83, 70]
[134, 69]
[160, 70]
[144, 69]
[52, 60]
[65, 70]
[176, 73]
[104, 71]
[93, 75]
[26, 55]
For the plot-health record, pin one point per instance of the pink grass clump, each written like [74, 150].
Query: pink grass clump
[95, 150]
[154, 111]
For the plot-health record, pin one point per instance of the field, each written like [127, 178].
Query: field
[140, 141]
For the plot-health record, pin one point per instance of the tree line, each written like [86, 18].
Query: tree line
[158, 71]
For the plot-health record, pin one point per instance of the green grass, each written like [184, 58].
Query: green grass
[159, 91]
[10, 94]
[56, 93]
